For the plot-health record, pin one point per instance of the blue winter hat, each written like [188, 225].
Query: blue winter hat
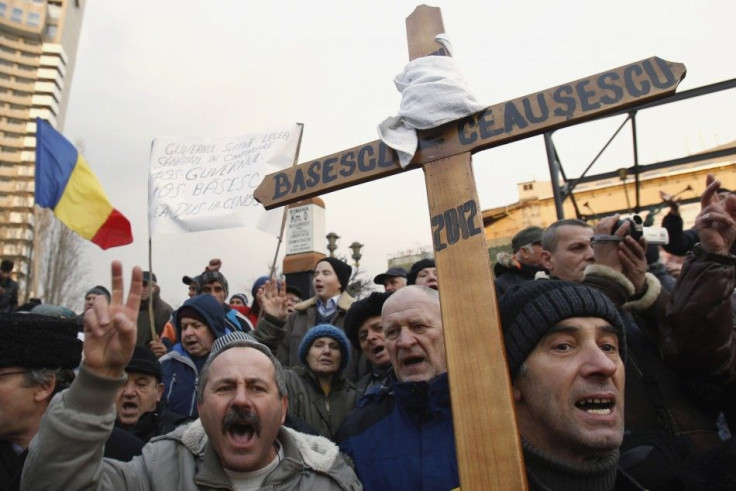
[205, 308]
[256, 285]
[325, 331]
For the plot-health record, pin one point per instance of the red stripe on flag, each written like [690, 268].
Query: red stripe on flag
[114, 232]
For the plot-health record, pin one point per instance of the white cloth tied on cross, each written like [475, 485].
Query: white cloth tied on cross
[432, 93]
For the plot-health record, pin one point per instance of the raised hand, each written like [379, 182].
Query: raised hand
[273, 300]
[716, 222]
[214, 265]
[110, 329]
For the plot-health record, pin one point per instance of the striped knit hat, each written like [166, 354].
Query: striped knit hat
[528, 311]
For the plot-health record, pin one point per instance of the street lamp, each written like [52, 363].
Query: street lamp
[623, 174]
[356, 247]
[332, 239]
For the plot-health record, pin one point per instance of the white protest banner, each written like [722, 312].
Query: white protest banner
[207, 183]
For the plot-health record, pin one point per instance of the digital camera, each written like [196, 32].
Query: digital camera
[637, 230]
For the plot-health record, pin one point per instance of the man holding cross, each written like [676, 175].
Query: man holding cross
[404, 439]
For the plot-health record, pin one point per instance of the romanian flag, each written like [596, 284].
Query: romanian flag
[66, 184]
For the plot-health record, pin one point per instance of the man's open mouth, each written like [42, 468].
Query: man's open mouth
[240, 423]
[378, 349]
[241, 430]
[130, 406]
[596, 406]
[412, 360]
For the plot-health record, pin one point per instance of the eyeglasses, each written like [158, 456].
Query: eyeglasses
[17, 372]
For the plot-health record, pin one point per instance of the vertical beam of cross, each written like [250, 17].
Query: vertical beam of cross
[488, 448]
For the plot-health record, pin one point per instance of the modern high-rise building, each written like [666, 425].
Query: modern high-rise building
[38, 44]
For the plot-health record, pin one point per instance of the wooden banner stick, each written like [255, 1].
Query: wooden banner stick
[286, 210]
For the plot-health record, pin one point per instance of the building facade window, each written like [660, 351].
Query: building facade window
[51, 30]
[17, 15]
[33, 18]
[3, 8]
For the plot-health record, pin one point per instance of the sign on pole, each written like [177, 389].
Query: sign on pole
[208, 183]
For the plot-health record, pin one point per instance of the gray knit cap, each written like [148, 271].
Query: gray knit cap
[528, 311]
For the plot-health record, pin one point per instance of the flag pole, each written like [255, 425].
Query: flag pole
[283, 216]
[152, 321]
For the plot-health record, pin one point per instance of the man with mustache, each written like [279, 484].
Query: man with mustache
[238, 443]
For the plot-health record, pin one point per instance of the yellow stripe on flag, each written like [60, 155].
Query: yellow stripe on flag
[84, 206]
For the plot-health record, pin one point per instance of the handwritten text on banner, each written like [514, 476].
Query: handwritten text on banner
[207, 183]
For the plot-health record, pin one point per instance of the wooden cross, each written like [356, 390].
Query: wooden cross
[488, 448]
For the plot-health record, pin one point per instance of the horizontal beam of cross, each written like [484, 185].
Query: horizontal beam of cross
[571, 103]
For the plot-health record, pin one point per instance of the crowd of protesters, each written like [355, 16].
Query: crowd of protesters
[623, 372]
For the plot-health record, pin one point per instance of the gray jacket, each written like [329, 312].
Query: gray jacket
[67, 452]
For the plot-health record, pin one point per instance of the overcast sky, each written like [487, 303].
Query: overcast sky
[231, 67]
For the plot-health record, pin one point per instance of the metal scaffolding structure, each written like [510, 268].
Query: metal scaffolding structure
[565, 191]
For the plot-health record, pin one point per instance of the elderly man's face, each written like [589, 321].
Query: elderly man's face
[140, 394]
[569, 393]
[394, 283]
[21, 405]
[241, 410]
[291, 300]
[370, 335]
[574, 252]
[215, 289]
[412, 327]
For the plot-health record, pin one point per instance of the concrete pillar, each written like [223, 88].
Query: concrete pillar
[305, 237]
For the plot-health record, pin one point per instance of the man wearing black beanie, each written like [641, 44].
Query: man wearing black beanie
[365, 331]
[565, 345]
[37, 355]
[139, 402]
[423, 273]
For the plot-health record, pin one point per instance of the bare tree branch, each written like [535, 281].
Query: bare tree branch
[63, 270]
